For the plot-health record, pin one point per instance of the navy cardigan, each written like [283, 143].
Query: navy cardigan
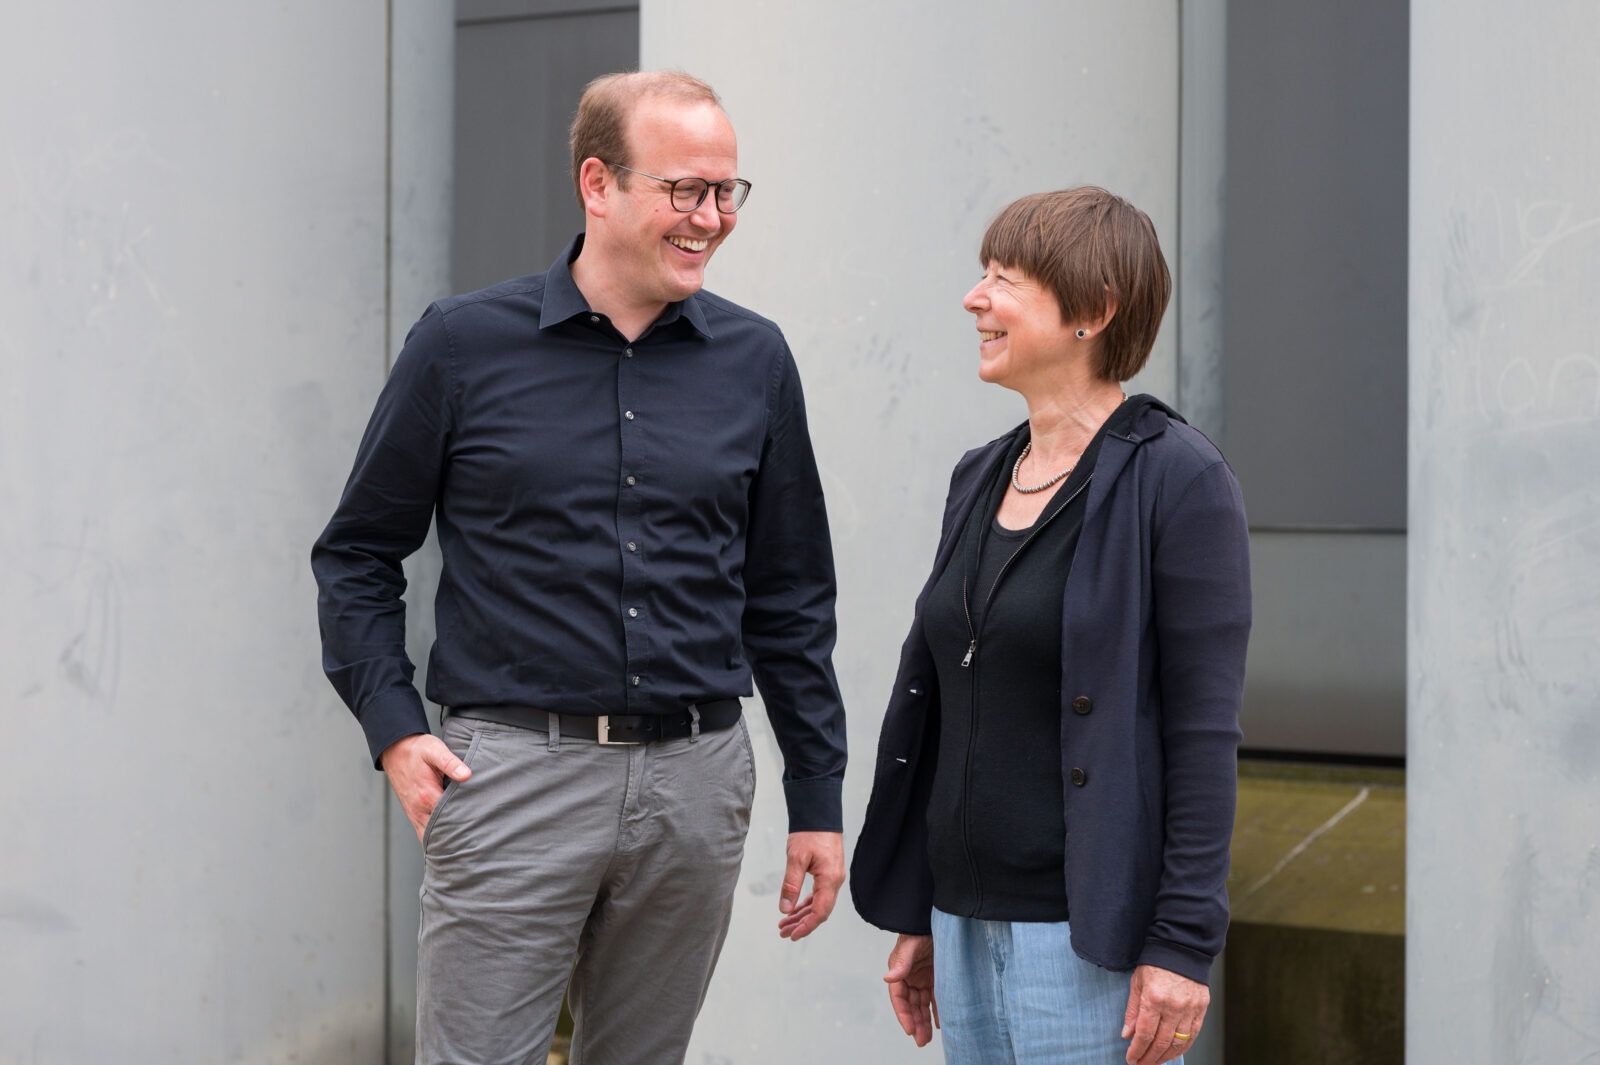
[1156, 618]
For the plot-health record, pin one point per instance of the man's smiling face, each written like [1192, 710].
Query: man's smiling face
[662, 252]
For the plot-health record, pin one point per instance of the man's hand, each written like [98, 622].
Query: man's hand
[822, 855]
[910, 980]
[1161, 1006]
[416, 767]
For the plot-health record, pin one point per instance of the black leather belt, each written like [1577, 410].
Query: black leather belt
[609, 729]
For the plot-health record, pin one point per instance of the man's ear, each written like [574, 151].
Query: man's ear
[595, 183]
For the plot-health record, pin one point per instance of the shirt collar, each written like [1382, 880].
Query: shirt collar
[563, 300]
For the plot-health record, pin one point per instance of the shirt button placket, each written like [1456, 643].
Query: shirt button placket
[630, 512]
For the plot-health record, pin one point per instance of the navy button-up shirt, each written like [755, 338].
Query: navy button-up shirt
[626, 527]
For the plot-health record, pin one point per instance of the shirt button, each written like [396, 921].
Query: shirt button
[632, 546]
[1082, 704]
[594, 318]
[628, 352]
[628, 414]
[634, 680]
[1079, 777]
[631, 480]
[633, 611]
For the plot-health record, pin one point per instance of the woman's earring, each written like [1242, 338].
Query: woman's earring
[1082, 333]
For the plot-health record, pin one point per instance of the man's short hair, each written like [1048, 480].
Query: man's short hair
[1086, 244]
[600, 127]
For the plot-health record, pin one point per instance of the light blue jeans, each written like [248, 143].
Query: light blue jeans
[1014, 993]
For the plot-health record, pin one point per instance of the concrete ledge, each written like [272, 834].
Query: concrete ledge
[1315, 965]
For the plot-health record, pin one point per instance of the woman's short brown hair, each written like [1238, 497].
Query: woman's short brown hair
[600, 128]
[1086, 245]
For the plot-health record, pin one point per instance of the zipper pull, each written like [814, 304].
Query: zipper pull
[971, 647]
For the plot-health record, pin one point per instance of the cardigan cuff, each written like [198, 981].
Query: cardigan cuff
[1164, 954]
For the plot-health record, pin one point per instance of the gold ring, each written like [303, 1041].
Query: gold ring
[1182, 1036]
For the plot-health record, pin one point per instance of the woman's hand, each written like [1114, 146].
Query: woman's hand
[1161, 1007]
[910, 980]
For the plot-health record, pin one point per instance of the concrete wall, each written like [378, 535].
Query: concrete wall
[1198, 299]
[1504, 599]
[193, 280]
[421, 180]
[881, 139]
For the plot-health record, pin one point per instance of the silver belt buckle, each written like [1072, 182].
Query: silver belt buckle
[602, 734]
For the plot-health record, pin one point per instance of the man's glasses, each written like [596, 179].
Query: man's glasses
[688, 193]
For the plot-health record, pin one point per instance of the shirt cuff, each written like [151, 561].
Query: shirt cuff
[394, 715]
[1176, 959]
[815, 805]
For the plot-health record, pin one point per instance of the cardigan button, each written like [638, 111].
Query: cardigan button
[1079, 777]
[1082, 704]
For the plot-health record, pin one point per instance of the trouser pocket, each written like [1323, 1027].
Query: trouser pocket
[749, 760]
[463, 739]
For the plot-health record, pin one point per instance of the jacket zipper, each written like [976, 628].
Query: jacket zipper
[966, 663]
[972, 742]
[972, 647]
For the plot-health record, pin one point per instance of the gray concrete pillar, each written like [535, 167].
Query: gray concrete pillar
[193, 280]
[881, 138]
[1197, 266]
[1504, 561]
[421, 172]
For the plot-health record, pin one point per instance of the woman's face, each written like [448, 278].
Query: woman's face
[1020, 331]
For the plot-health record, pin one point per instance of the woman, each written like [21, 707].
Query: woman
[1054, 795]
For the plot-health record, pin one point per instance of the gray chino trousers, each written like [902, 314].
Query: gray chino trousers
[564, 860]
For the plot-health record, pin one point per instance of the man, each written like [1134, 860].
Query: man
[631, 522]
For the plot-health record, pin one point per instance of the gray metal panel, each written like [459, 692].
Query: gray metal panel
[507, 10]
[192, 277]
[1503, 784]
[1327, 651]
[517, 87]
[1315, 252]
[881, 139]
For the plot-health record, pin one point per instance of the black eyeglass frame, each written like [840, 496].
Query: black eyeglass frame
[736, 184]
